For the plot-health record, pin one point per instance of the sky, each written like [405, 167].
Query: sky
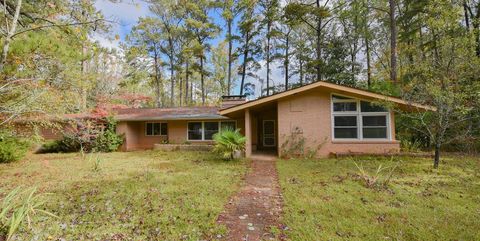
[125, 15]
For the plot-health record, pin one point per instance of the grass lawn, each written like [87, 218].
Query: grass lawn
[134, 195]
[326, 200]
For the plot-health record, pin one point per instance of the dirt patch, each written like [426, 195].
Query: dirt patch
[254, 212]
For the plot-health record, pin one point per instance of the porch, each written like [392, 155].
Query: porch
[260, 129]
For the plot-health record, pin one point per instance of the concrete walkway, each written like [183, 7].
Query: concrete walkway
[256, 208]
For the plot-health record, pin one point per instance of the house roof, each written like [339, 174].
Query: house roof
[178, 113]
[340, 89]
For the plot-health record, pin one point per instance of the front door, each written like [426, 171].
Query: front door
[269, 133]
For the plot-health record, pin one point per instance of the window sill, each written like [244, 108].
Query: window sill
[365, 142]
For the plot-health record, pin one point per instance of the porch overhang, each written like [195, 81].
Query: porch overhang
[335, 88]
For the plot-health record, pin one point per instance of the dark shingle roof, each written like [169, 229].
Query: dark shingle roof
[179, 113]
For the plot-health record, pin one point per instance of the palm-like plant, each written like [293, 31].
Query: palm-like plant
[229, 141]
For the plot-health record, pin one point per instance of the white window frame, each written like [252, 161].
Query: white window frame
[203, 127]
[153, 122]
[359, 114]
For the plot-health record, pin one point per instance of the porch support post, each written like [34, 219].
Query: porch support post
[248, 133]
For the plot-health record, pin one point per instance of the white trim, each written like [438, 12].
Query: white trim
[203, 127]
[274, 134]
[153, 122]
[359, 114]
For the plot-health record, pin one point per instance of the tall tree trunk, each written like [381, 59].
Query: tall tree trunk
[466, 14]
[180, 91]
[244, 65]
[230, 47]
[172, 73]
[393, 42]
[436, 159]
[300, 61]
[202, 80]
[319, 44]
[10, 33]
[369, 65]
[287, 58]
[476, 27]
[186, 82]
[191, 92]
[268, 57]
[157, 80]
[84, 78]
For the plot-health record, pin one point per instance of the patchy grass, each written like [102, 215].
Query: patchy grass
[328, 200]
[147, 195]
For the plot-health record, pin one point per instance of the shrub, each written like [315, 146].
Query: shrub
[227, 142]
[12, 148]
[381, 177]
[87, 137]
[108, 140]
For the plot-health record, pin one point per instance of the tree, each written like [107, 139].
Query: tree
[145, 40]
[169, 16]
[316, 16]
[203, 28]
[444, 76]
[249, 47]
[230, 12]
[270, 9]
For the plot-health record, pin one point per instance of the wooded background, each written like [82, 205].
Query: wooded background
[192, 52]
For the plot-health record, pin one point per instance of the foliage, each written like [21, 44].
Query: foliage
[228, 142]
[87, 136]
[144, 189]
[108, 140]
[296, 146]
[12, 148]
[19, 207]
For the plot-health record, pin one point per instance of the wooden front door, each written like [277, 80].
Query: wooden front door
[269, 138]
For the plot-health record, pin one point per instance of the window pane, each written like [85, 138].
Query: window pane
[228, 125]
[156, 129]
[350, 133]
[345, 120]
[369, 107]
[194, 130]
[149, 129]
[210, 129]
[164, 129]
[379, 132]
[345, 106]
[374, 120]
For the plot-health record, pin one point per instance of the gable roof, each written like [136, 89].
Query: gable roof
[340, 89]
[178, 113]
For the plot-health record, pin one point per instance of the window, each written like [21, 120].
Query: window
[228, 125]
[210, 129]
[156, 129]
[374, 126]
[204, 130]
[355, 119]
[195, 131]
[346, 127]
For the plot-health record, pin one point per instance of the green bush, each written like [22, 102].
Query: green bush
[12, 148]
[108, 140]
[227, 142]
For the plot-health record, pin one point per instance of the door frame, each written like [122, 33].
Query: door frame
[274, 134]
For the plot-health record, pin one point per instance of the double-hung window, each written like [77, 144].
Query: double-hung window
[156, 129]
[355, 119]
[204, 130]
